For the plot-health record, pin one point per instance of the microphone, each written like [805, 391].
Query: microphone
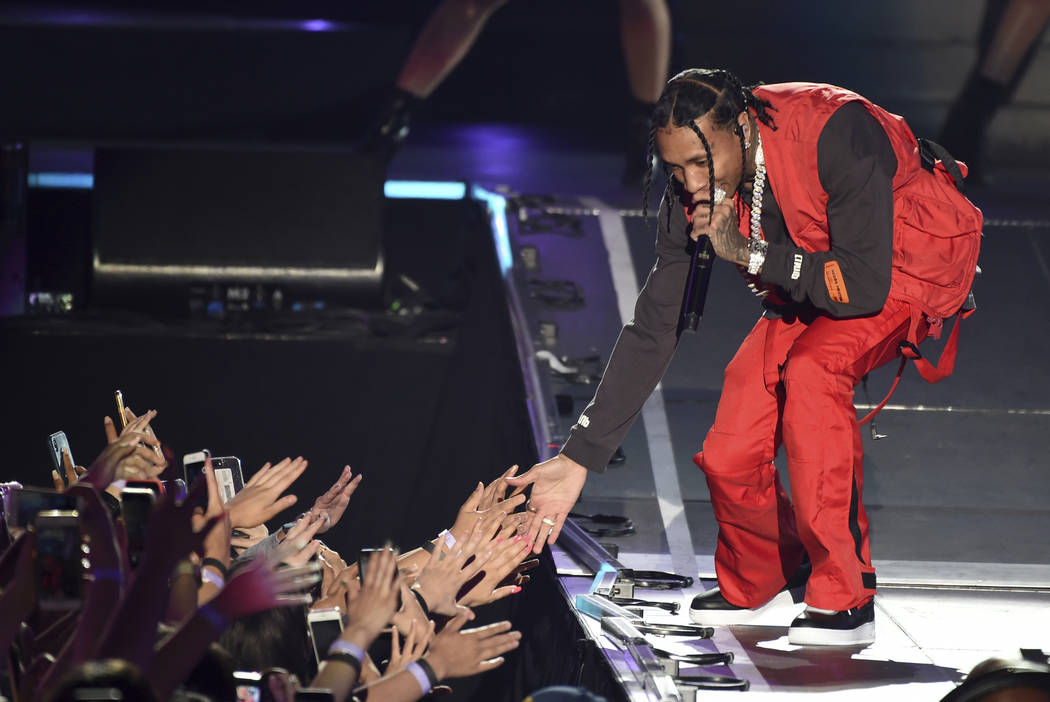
[695, 293]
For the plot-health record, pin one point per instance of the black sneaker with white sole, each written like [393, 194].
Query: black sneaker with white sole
[821, 627]
[712, 609]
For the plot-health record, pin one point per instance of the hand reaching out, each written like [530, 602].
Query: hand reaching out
[496, 491]
[556, 485]
[217, 539]
[485, 500]
[171, 532]
[332, 504]
[370, 609]
[455, 653]
[416, 641]
[136, 426]
[299, 544]
[508, 553]
[447, 570]
[128, 457]
[410, 612]
[70, 473]
[260, 499]
[252, 536]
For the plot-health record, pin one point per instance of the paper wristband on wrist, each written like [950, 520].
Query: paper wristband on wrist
[348, 648]
[214, 618]
[107, 574]
[217, 565]
[421, 676]
[213, 578]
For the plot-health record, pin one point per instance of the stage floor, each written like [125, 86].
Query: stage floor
[957, 495]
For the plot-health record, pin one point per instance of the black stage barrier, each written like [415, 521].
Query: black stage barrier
[424, 407]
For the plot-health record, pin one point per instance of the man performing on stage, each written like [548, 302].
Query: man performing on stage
[859, 244]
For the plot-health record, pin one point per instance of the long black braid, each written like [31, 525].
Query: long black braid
[710, 170]
[692, 94]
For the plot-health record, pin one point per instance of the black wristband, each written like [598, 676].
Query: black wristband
[428, 546]
[422, 602]
[429, 671]
[112, 504]
[217, 565]
[345, 658]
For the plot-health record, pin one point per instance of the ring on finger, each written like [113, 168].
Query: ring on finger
[549, 522]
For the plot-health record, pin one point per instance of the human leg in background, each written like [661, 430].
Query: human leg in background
[447, 36]
[645, 32]
[1001, 64]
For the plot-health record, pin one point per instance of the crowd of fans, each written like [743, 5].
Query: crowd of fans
[202, 602]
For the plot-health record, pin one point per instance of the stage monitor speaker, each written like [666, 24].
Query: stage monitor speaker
[285, 223]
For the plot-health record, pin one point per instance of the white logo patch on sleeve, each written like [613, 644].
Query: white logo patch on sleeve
[585, 421]
[796, 267]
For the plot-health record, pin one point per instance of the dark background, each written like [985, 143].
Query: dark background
[94, 69]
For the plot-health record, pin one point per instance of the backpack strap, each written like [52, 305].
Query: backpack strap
[909, 349]
[946, 364]
[930, 152]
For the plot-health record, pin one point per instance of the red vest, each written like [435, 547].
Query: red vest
[936, 232]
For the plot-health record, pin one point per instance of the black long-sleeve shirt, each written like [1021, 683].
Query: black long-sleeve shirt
[856, 165]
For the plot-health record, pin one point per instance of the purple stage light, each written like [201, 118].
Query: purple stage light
[317, 25]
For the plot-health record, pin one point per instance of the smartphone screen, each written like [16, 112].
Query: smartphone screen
[193, 468]
[325, 627]
[59, 566]
[363, 557]
[152, 484]
[28, 501]
[57, 443]
[178, 485]
[228, 476]
[249, 685]
[136, 504]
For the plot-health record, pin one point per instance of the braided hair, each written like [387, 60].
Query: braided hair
[692, 94]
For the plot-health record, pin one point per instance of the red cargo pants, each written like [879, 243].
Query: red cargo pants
[792, 383]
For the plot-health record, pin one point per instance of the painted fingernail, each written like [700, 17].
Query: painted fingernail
[517, 589]
[499, 539]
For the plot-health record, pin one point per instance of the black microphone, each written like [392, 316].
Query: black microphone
[695, 293]
[696, 286]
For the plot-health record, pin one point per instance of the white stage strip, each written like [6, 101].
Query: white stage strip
[654, 413]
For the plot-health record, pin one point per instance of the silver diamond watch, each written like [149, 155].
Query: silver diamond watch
[757, 248]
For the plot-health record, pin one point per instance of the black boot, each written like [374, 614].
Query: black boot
[393, 119]
[966, 125]
[818, 627]
[712, 609]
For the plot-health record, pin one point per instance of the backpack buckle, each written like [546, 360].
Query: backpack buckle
[909, 350]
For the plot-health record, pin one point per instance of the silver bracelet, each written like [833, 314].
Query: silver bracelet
[757, 248]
